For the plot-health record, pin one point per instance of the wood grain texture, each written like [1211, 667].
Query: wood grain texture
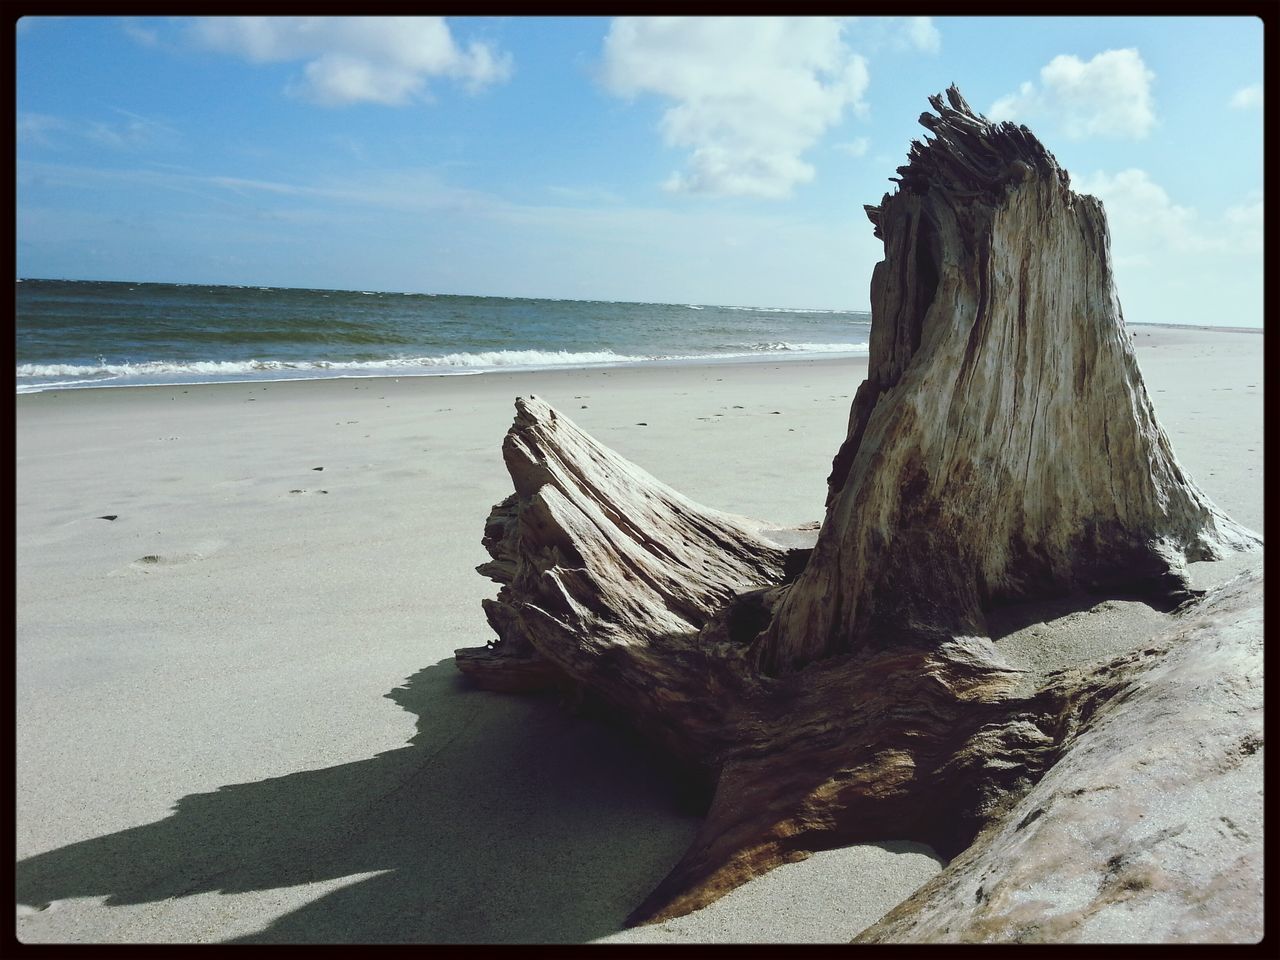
[1002, 447]
[1149, 828]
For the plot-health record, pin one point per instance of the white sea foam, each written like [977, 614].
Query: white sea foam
[782, 346]
[54, 385]
[794, 310]
[33, 377]
[530, 358]
[230, 368]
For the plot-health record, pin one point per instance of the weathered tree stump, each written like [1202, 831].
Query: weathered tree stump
[1002, 447]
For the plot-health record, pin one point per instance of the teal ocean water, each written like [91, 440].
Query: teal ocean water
[81, 333]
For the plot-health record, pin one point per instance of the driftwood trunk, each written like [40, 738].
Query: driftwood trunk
[1003, 447]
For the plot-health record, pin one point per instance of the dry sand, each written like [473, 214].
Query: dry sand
[237, 714]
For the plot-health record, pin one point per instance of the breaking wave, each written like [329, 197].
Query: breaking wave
[33, 377]
[782, 346]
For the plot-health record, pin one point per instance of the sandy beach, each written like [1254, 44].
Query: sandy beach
[238, 719]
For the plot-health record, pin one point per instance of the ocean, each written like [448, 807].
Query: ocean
[85, 333]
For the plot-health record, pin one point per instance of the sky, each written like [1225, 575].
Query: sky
[720, 160]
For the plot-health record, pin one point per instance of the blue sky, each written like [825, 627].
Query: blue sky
[721, 160]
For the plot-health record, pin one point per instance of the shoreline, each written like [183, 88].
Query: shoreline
[237, 714]
[711, 360]
[1167, 333]
[1193, 326]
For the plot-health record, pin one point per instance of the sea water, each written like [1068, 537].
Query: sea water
[83, 333]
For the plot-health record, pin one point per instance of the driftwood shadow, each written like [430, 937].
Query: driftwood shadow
[503, 820]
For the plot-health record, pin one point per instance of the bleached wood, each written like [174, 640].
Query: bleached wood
[1002, 447]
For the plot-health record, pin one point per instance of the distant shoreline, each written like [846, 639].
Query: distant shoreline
[852, 310]
[1192, 326]
[265, 287]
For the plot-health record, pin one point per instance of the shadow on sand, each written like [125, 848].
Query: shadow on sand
[504, 819]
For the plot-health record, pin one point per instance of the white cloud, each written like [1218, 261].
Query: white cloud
[1246, 216]
[751, 94]
[875, 35]
[130, 131]
[1146, 225]
[1141, 214]
[922, 34]
[1109, 96]
[36, 127]
[356, 59]
[1247, 97]
[1244, 225]
[1176, 264]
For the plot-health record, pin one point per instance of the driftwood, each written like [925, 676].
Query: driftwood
[844, 689]
[1149, 827]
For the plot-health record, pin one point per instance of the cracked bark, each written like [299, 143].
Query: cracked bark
[842, 689]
